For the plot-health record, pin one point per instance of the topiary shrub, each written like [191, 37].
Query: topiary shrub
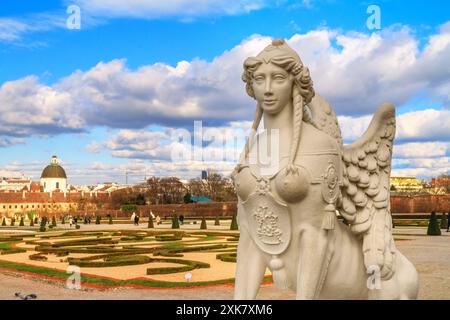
[77, 226]
[63, 220]
[110, 220]
[150, 222]
[444, 221]
[4, 222]
[175, 222]
[53, 221]
[203, 224]
[433, 226]
[217, 221]
[97, 220]
[31, 222]
[13, 221]
[21, 224]
[36, 220]
[234, 225]
[42, 227]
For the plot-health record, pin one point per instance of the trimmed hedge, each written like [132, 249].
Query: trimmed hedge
[109, 261]
[37, 257]
[189, 265]
[227, 257]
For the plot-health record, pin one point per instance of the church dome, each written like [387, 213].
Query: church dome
[54, 170]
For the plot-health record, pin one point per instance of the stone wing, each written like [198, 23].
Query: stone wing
[365, 201]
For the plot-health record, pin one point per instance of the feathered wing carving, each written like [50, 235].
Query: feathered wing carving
[365, 201]
[323, 117]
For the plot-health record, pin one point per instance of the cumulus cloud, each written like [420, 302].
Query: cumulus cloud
[423, 125]
[356, 72]
[29, 107]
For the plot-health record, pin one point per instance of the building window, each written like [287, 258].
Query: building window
[15, 207]
[32, 206]
[10, 207]
[21, 206]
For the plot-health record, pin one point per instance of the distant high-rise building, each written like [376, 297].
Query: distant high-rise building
[204, 175]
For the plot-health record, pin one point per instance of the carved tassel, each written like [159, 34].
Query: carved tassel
[278, 272]
[329, 217]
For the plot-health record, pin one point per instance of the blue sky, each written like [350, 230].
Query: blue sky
[39, 56]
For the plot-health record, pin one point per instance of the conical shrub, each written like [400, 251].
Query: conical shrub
[175, 222]
[53, 221]
[13, 222]
[4, 222]
[150, 222]
[36, 220]
[42, 227]
[31, 222]
[234, 225]
[110, 220]
[217, 221]
[444, 221]
[203, 224]
[21, 224]
[97, 220]
[433, 226]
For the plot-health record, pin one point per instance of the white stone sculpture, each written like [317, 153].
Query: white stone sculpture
[287, 203]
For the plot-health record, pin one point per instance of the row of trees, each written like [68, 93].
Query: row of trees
[172, 190]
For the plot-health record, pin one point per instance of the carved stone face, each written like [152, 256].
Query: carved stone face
[272, 87]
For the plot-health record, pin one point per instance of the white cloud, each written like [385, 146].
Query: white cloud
[422, 150]
[12, 29]
[185, 9]
[423, 125]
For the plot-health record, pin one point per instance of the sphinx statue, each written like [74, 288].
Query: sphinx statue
[289, 201]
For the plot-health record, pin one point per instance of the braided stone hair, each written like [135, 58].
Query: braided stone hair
[302, 94]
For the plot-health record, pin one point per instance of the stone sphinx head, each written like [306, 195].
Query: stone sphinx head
[275, 78]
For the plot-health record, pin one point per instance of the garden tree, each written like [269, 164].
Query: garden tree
[42, 226]
[53, 221]
[433, 226]
[21, 224]
[444, 221]
[97, 220]
[187, 198]
[110, 220]
[175, 222]
[4, 221]
[217, 221]
[215, 187]
[150, 222]
[165, 190]
[234, 225]
[203, 224]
